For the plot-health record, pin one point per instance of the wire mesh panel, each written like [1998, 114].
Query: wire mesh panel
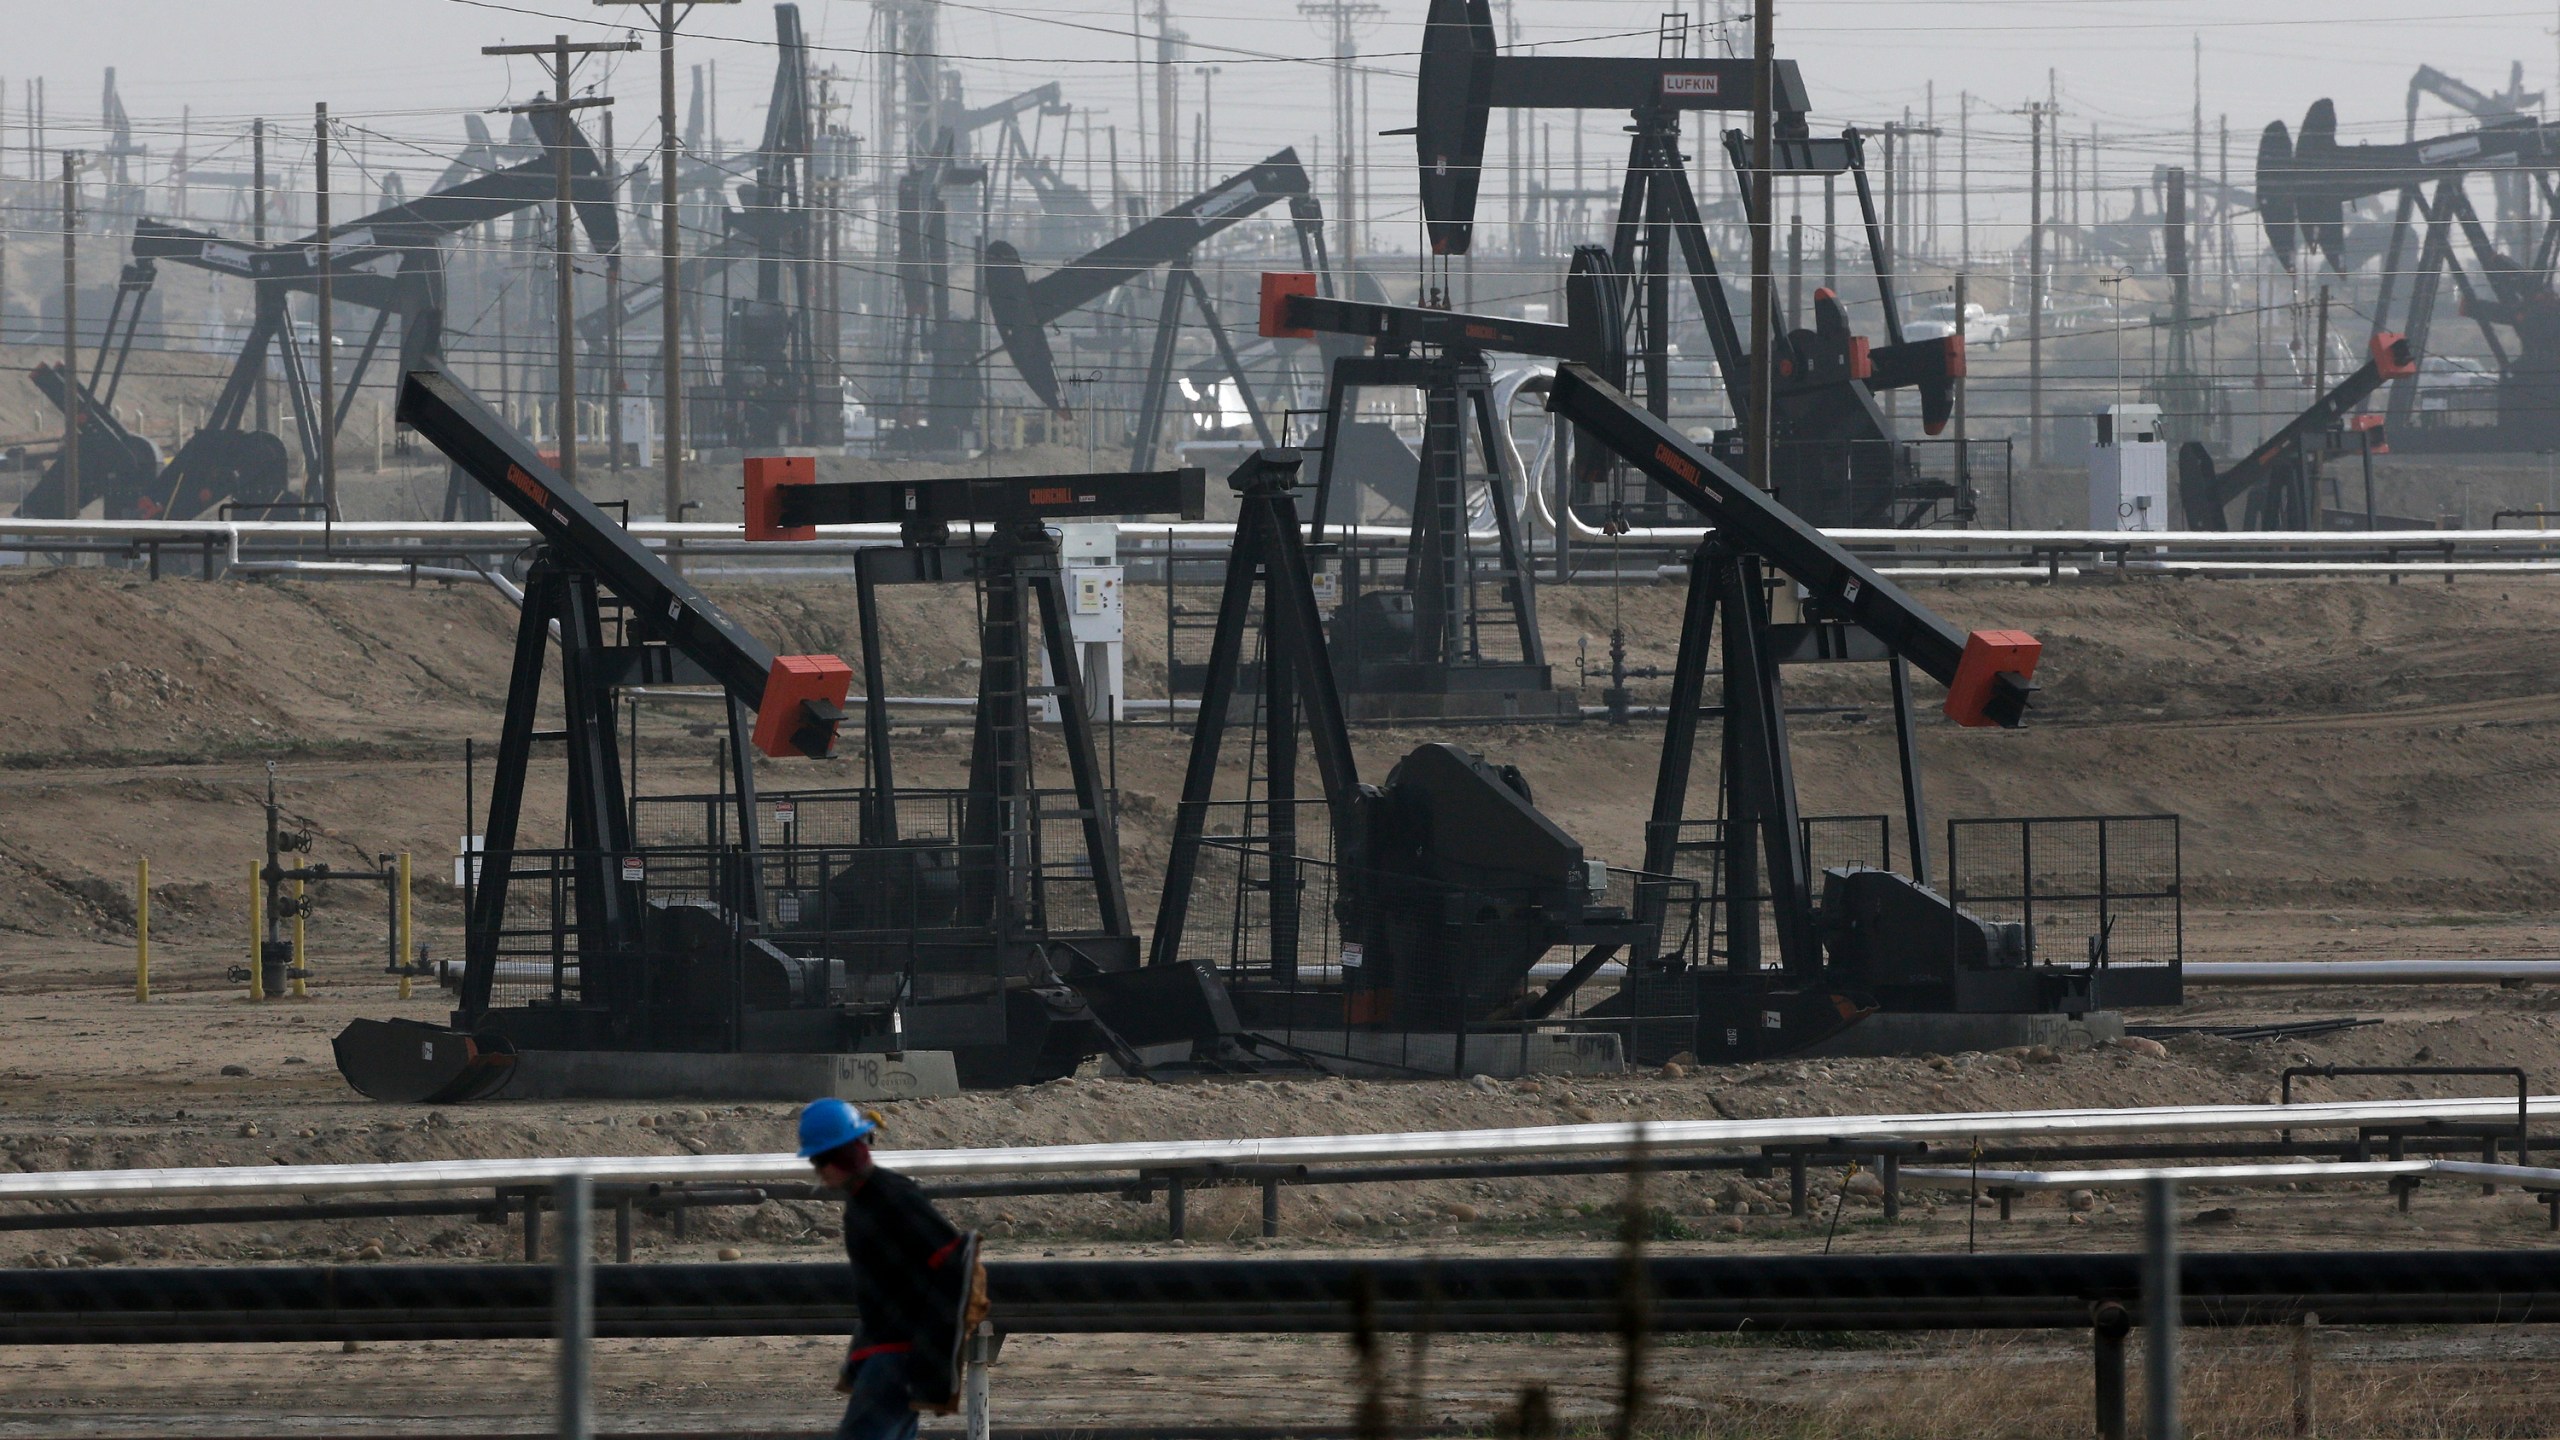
[1190, 618]
[1262, 903]
[1702, 855]
[785, 817]
[2090, 889]
[544, 933]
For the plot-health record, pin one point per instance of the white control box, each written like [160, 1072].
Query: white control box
[2129, 470]
[1090, 556]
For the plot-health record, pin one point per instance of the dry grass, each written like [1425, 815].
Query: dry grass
[2236, 1385]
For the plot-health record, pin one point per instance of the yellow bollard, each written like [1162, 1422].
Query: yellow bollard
[142, 931]
[257, 933]
[408, 951]
[300, 990]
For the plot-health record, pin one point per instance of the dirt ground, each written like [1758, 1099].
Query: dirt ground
[2397, 744]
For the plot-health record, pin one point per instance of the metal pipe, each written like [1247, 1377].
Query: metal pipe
[575, 1298]
[2367, 972]
[348, 567]
[2160, 1307]
[2336, 1171]
[1830, 1132]
[510, 535]
[1304, 1295]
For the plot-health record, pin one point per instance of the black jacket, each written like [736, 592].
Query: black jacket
[909, 1270]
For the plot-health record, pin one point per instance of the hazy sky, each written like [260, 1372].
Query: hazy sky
[405, 68]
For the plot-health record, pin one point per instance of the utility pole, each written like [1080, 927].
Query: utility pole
[1168, 125]
[1138, 87]
[557, 58]
[70, 335]
[326, 361]
[2037, 112]
[1759, 209]
[2195, 163]
[258, 236]
[1964, 437]
[1964, 175]
[612, 313]
[1343, 16]
[1208, 123]
[1899, 164]
[670, 254]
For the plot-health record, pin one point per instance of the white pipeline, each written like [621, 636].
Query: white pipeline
[1545, 1141]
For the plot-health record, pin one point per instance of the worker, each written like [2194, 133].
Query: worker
[917, 1284]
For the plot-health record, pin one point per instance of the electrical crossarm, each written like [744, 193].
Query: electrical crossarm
[1988, 673]
[798, 700]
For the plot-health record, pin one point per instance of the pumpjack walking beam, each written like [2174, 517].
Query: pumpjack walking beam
[1988, 674]
[780, 704]
[2277, 479]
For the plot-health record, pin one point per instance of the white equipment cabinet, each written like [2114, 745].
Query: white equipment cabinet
[1090, 556]
[2129, 470]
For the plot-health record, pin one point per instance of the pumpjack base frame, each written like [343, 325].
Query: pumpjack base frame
[1909, 1032]
[1403, 1054]
[1376, 690]
[664, 1075]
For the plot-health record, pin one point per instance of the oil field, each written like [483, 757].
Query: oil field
[1534, 719]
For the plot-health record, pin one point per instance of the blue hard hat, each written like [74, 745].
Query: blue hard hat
[831, 1125]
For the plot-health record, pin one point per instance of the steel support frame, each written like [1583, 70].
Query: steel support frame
[1269, 559]
[1457, 394]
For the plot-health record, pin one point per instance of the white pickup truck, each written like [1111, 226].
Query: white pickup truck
[1981, 327]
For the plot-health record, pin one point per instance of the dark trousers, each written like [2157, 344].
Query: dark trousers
[881, 1406]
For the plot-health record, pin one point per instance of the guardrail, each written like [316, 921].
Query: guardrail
[2415, 550]
[1841, 1133]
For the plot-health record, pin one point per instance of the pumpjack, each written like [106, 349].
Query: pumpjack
[949, 920]
[390, 261]
[1458, 636]
[1836, 460]
[1854, 939]
[2281, 480]
[2307, 180]
[1446, 884]
[1016, 951]
[1023, 309]
[771, 390]
[617, 962]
